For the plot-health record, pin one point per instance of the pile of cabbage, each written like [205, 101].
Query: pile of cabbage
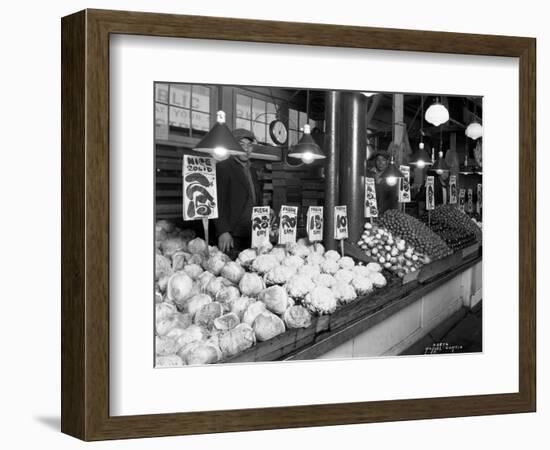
[209, 308]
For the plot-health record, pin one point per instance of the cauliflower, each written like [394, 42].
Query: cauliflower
[193, 270]
[205, 316]
[293, 261]
[329, 266]
[197, 246]
[226, 295]
[279, 275]
[279, 253]
[345, 262]
[332, 254]
[168, 361]
[275, 299]
[252, 312]
[362, 285]
[360, 272]
[179, 259]
[377, 279]
[265, 248]
[226, 322]
[172, 245]
[164, 225]
[240, 305]
[203, 279]
[246, 257]
[214, 264]
[237, 340]
[324, 280]
[251, 284]
[264, 263]
[299, 250]
[309, 270]
[197, 302]
[233, 272]
[318, 248]
[163, 266]
[179, 287]
[374, 267]
[187, 234]
[215, 285]
[344, 292]
[297, 317]
[267, 325]
[321, 300]
[343, 276]
[298, 286]
[315, 259]
[303, 241]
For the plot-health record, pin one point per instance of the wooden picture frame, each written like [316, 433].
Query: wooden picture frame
[85, 224]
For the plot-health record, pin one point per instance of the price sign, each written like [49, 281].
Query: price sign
[430, 194]
[371, 207]
[288, 222]
[405, 185]
[315, 223]
[470, 200]
[200, 196]
[461, 199]
[453, 197]
[479, 203]
[260, 226]
[340, 222]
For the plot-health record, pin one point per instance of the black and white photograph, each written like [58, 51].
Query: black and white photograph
[299, 224]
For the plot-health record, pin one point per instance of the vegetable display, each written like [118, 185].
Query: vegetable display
[455, 227]
[209, 308]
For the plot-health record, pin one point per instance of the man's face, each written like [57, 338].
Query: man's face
[381, 163]
[444, 176]
[247, 146]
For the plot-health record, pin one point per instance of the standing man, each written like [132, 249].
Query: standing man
[386, 196]
[238, 193]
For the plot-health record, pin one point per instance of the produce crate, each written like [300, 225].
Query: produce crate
[356, 253]
[471, 251]
[439, 267]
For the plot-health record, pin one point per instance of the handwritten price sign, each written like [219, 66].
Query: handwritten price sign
[453, 197]
[340, 222]
[315, 223]
[288, 224]
[479, 203]
[371, 207]
[200, 196]
[461, 199]
[430, 193]
[404, 185]
[470, 200]
[260, 226]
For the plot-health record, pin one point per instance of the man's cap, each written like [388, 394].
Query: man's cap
[378, 153]
[242, 133]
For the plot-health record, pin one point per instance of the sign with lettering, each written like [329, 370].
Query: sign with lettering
[470, 200]
[288, 222]
[479, 203]
[260, 226]
[461, 199]
[200, 196]
[340, 222]
[315, 223]
[405, 185]
[453, 197]
[371, 207]
[430, 193]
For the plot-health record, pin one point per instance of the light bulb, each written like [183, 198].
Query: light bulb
[420, 164]
[307, 157]
[421, 146]
[392, 181]
[220, 153]
[439, 171]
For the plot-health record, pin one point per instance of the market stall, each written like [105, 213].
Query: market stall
[333, 268]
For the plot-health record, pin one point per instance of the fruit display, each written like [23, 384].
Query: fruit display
[209, 309]
[391, 252]
[454, 226]
[415, 234]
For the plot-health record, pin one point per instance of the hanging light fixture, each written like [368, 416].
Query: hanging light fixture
[219, 141]
[420, 157]
[475, 129]
[392, 174]
[307, 149]
[440, 165]
[437, 114]
[466, 169]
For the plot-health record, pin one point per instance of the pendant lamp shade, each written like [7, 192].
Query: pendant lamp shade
[420, 158]
[219, 141]
[306, 149]
[392, 173]
[440, 165]
[437, 114]
[474, 130]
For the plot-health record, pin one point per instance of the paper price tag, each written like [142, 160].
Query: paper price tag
[260, 226]
[315, 223]
[288, 222]
[200, 196]
[461, 200]
[430, 194]
[470, 200]
[405, 185]
[371, 207]
[479, 203]
[340, 222]
[453, 197]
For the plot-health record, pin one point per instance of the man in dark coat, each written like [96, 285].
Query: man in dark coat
[238, 193]
[386, 196]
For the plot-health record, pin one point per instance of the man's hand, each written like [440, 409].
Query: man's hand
[225, 242]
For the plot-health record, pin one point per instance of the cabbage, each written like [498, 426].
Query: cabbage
[345, 262]
[237, 340]
[179, 287]
[187, 235]
[196, 258]
[226, 322]
[164, 325]
[197, 302]
[172, 245]
[246, 257]
[214, 264]
[165, 346]
[265, 248]
[193, 333]
[215, 285]
[164, 225]
[252, 312]
[164, 310]
[193, 270]
[163, 266]
[343, 276]
[267, 325]
[179, 260]
[160, 235]
[233, 272]
[200, 353]
[197, 246]
[206, 315]
[275, 299]
[251, 284]
[240, 305]
[203, 279]
[297, 317]
[226, 296]
[168, 361]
